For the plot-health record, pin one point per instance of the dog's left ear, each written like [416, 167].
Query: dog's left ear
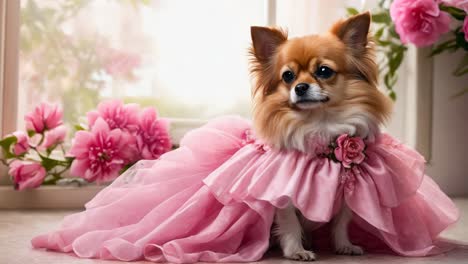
[354, 32]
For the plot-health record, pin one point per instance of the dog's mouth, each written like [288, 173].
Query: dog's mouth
[308, 103]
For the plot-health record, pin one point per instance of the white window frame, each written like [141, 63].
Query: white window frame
[9, 48]
[418, 122]
[419, 91]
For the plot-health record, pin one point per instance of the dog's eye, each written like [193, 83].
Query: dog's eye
[288, 76]
[324, 72]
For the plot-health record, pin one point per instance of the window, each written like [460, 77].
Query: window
[187, 58]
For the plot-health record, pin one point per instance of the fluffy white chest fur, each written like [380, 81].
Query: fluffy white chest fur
[329, 125]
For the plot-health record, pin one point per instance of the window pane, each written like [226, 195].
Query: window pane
[187, 58]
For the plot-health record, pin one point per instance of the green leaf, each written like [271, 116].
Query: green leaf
[8, 141]
[79, 127]
[442, 47]
[31, 133]
[392, 95]
[49, 163]
[381, 18]
[383, 43]
[460, 40]
[6, 144]
[393, 32]
[379, 32]
[456, 13]
[352, 11]
[395, 61]
[390, 79]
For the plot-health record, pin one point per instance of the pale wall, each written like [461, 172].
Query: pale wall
[449, 163]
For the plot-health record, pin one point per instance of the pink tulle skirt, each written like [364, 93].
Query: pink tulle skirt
[215, 197]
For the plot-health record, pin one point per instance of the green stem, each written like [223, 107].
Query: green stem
[42, 139]
[64, 169]
[63, 149]
[53, 180]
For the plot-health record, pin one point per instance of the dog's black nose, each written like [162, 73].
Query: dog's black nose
[301, 89]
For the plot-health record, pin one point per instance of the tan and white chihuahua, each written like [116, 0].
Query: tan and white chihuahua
[317, 86]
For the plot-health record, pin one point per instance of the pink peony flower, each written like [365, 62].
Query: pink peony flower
[27, 174]
[350, 150]
[152, 138]
[116, 114]
[22, 143]
[461, 4]
[419, 21]
[101, 153]
[53, 137]
[43, 117]
[465, 28]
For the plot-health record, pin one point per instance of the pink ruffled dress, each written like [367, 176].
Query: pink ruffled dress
[215, 197]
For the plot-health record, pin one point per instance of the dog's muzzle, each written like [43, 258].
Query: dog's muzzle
[307, 96]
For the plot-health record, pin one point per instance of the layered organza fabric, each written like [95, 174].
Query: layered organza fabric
[215, 197]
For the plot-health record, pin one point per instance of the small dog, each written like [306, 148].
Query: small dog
[317, 86]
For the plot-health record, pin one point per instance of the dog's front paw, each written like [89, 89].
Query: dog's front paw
[349, 249]
[302, 255]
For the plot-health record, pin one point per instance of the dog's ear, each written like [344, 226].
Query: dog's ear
[354, 32]
[265, 41]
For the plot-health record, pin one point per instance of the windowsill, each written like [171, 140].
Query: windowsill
[47, 197]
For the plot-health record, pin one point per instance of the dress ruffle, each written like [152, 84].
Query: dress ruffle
[214, 200]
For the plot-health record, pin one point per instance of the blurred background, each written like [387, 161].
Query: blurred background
[189, 58]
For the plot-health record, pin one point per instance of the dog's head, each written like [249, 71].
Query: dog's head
[318, 78]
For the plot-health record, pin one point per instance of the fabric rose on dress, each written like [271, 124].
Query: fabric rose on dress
[54, 137]
[349, 150]
[100, 153]
[22, 143]
[116, 114]
[419, 21]
[43, 117]
[26, 174]
[153, 135]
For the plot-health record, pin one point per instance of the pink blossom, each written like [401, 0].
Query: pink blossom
[116, 114]
[53, 137]
[153, 138]
[27, 174]
[419, 21]
[461, 4]
[22, 143]
[350, 150]
[43, 117]
[100, 153]
[118, 63]
[465, 28]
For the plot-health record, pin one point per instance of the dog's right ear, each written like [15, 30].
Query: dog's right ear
[265, 41]
[354, 32]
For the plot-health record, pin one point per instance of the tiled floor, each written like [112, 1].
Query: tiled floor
[17, 228]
